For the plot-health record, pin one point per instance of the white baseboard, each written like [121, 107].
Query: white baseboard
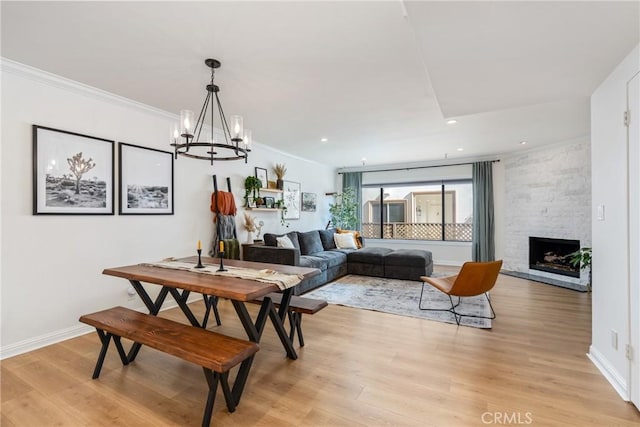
[618, 383]
[54, 337]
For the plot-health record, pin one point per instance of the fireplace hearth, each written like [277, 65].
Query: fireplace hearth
[553, 255]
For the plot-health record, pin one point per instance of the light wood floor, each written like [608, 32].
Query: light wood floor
[358, 368]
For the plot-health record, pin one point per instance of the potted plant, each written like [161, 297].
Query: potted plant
[279, 170]
[582, 259]
[343, 211]
[252, 186]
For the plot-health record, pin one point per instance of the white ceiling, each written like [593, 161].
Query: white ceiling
[377, 78]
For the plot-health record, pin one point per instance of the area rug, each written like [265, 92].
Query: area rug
[401, 297]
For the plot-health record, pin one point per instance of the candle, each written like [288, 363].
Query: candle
[199, 245]
[221, 246]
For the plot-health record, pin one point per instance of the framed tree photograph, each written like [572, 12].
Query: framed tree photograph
[308, 202]
[261, 174]
[72, 173]
[146, 180]
[291, 197]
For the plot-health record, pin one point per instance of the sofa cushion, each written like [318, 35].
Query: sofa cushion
[369, 255]
[326, 237]
[310, 242]
[284, 242]
[345, 241]
[356, 235]
[312, 261]
[270, 239]
[334, 258]
[408, 258]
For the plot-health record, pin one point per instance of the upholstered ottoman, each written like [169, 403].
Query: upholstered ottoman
[367, 261]
[408, 264]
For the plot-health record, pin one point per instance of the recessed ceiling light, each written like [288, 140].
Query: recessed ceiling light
[452, 121]
[460, 149]
[323, 139]
[523, 142]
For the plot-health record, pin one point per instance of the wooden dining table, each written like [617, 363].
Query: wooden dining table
[181, 283]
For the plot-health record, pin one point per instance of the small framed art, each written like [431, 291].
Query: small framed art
[261, 174]
[146, 180]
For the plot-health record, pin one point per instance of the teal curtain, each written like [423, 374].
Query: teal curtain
[483, 242]
[354, 180]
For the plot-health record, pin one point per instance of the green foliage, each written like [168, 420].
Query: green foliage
[343, 211]
[581, 258]
[251, 187]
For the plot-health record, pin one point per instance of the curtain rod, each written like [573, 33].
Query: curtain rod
[419, 167]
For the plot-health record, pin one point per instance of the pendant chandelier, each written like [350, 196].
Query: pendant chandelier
[190, 138]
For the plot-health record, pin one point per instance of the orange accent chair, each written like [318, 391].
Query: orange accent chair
[474, 278]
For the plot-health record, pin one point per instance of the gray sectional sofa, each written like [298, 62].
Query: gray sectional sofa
[317, 249]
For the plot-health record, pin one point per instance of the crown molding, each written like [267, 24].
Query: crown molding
[54, 80]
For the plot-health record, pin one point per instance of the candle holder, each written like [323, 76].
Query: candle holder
[199, 259]
[221, 264]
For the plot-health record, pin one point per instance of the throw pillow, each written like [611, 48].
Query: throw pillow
[326, 236]
[310, 242]
[345, 241]
[284, 242]
[356, 235]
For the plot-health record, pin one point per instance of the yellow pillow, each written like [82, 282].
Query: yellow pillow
[356, 235]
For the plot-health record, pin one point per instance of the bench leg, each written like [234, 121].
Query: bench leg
[105, 338]
[241, 379]
[298, 323]
[212, 381]
[228, 397]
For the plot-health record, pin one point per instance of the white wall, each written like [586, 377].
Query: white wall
[610, 250]
[548, 194]
[51, 265]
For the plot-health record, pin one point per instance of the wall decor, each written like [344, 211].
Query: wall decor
[146, 180]
[291, 196]
[269, 202]
[308, 202]
[261, 174]
[72, 173]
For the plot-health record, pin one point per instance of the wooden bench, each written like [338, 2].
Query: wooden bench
[297, 307]
[216, 353]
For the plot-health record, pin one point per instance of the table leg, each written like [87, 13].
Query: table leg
[254, 331]
[181, 299]
[152, 306]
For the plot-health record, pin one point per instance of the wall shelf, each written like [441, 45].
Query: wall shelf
[264, 209]
[270, 190]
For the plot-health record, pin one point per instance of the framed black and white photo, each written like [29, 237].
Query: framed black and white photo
[269, 202]
[261, 174]
[291, 197]
[72, 173]
[308, 202]
[146, 180]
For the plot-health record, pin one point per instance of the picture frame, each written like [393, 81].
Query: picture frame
[269, 202]
[72, 173]
[291, 197]
[145, 180]
[309, 201]
[261, 174]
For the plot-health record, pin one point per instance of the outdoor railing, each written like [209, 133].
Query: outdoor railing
[419, 231]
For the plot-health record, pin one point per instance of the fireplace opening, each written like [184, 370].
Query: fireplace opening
[553, 255]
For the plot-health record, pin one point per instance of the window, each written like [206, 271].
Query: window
[429, 211]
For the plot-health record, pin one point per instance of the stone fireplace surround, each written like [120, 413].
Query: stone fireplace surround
[547, 194]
